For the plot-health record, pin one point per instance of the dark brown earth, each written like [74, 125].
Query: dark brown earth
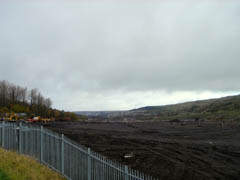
[166, 151]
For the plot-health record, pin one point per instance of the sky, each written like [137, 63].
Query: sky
[120, 55]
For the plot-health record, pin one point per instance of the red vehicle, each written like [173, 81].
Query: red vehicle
[34, 119]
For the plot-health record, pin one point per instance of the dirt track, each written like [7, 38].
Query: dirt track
[164, 150]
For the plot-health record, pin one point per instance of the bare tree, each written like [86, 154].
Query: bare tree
[12, 93]
[40, 99]
[3, 92]
[33, 96]
[48, 103]
[23, 95]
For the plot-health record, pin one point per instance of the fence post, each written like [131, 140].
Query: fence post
[41, 158]
[20, 138]
[3, 134]
[89, 164]
[62, 154]
[126, 172]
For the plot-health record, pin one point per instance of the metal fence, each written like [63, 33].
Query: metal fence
[73, 161]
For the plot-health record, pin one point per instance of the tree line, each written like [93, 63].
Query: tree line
[12, 94]
[18, 99]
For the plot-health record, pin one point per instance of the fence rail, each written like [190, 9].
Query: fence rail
[72, 160]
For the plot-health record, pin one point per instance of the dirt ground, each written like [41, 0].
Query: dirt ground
[166, 151]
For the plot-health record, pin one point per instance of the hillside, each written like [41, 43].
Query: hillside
[222, 108]
[27, 103]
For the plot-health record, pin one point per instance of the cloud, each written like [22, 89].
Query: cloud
[111, 49]
[118, 100]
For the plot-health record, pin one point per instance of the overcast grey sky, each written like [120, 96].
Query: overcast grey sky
[110, 54]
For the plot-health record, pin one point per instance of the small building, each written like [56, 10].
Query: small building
[22, 114]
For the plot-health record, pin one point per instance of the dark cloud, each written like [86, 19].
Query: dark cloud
[106, 49]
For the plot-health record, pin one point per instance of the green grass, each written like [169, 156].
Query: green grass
[18, 167]
[3, 176]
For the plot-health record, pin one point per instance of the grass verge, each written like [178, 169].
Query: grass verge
[19, 167]
[3, 176]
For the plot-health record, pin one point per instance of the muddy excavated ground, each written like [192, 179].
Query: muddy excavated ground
[163, 150]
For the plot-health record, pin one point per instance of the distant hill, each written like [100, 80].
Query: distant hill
[226, 108]
[222, 108]
[100, 113]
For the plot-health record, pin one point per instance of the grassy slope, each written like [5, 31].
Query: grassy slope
[18, 167]
[222, 108]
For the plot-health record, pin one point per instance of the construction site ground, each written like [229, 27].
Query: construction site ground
[168, 151]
